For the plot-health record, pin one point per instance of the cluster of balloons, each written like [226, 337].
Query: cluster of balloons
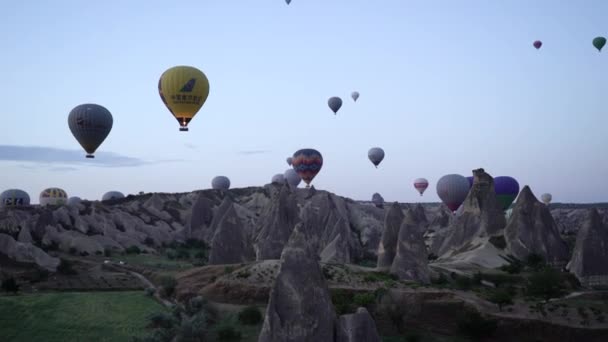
[335, 102]
[598, 43]
[50, 196]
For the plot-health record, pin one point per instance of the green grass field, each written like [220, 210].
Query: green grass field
[75, 316]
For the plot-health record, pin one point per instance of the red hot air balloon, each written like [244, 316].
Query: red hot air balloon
[307, 163]
[537, 44]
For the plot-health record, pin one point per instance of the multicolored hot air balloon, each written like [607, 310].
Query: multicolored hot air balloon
[14, 198]
[546, 198]
[292, 178]
[90, 124]
[184, 90]
[537, 44]
[220, 183]
[53, 196]
[307, 163]
[599, 43]
[375, 155]
[289, 161]
[334, 103]
[421, 184]
[278, 178]
[355, 95]
[506, 189]
[378, 200]
[112, 195]
[453, 190]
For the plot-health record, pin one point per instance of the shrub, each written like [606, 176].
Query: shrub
[343, 302]
[228, 333]
[498, 241]
[202, 255]
[73, 250]
[171, 254]
[192, 329]
[149, 241]
[250, 315]
[65, 267]
[463, 283]
[228, 269]
[10, 285]
[474, 325]
[501, 297]
[535, 261]
[243, 274]
[182, 254]
[107, 252]
[150, 291]
[161, 320]
[364, 299]
[441, 280]
[545, 284]
[133, 250]
[168, 283]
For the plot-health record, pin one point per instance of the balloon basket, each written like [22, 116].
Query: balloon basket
[183, 129]
[90, 156]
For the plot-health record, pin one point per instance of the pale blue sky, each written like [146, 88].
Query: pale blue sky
[446, 86]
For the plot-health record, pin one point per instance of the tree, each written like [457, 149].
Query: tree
[10, 285]
[545, 284]
[501, 297]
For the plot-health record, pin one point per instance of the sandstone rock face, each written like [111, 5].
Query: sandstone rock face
[26, 253]
[230, 243]
[590, 257]
[300, 307]
[531, 229]
[411, 259]
[388, 245]
[357, 327]
[200, 219]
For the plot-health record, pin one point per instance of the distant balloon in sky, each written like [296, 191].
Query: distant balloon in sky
[14, 198]
[537, 44]
[470, 179]
[378, 200]
[74, 200]
[546, 198]
[288, 1]
[506, 189]
[289, 159]
[307, 163]
[292, 178]
[334, 103]
[220, 183]
[184, 90]
[112, 195]
[90, 124]
[278, 178]
[421, 184]
[355, 95]
[453, 190]
[53, 196]
[599, 43]
[375, 155]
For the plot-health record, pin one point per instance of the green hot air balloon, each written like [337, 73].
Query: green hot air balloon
[599, 43]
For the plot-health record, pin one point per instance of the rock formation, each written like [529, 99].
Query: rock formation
[26, 253]
[590, 256]
[411, 259]
[200, 219]
[531, 229]
[388, 245]
[231, 243]
[357, 327]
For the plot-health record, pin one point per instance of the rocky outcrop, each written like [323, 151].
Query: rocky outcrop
[200, 219]
[300, 307]
[388, 245]
[589, 261]
[357, 327]
[411, 259]
[531, 229]
[277, 224]
[230, 244]
[26, 253]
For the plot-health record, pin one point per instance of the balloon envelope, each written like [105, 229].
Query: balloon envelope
[421, 184]
[14, 198]
[292, 177]
[288, 1]
[184, 90]
[278, 178]
[599, 43]
[334, 104]
[355, 95]
[90, 124]
[470, 179]
[375, 155]
[74, 200]
[112, 195]
[53, 196]
[220, 183]
[506, 189]
[537, 44]
[453, 190]
[546, 198]
[289, 159]
[307, 163]
[377, 200]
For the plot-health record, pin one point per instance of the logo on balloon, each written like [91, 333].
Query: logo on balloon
[188, 87]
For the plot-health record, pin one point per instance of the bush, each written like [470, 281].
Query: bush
[171, 254]
[501, 297]
[168, 283]
[463, 282]
[182, 254]
[441, 280]
[65, 267]
[228, 269]
[202, 255]
[149, 241]
[192, 329]
[150, 291]
[161, 320]
[10, 285]
[545, 284]
[73, 250]
[498, 241]
[535, 261]
[133, 250]
[250, 315]
[107, 252]
[474, 325]
[343, 302]
[364, 299]
[228, 333]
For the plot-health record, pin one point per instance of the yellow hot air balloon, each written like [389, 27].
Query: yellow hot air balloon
[184, 90]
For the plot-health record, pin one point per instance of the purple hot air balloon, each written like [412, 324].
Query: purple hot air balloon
[506, 189]
[537, 44]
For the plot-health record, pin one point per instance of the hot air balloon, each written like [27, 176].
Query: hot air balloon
[307, 163]
[334, 104]
[506, 189]
[220, 183]
[90, 124]
[537, 44]
[289, 161]
[53, 196]
[288, 1]
[292, 177]
[355, 95]
[378, 200]
[375, 155]
[453, 190]
[421, 184]
[74, 200]
[112, 195]
[599, 43]
[546, 198]
[278, 178]
[184, 90]
[14, 198]
[470, 179]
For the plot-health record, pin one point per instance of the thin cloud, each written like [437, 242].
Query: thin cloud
[50, 155]
[63, 169]
[249, 152]
[191, 146]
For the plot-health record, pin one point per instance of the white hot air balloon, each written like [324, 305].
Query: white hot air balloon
[421, 184]
[292, 177]
[278, 178]
[546, 198]
[74, 200]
